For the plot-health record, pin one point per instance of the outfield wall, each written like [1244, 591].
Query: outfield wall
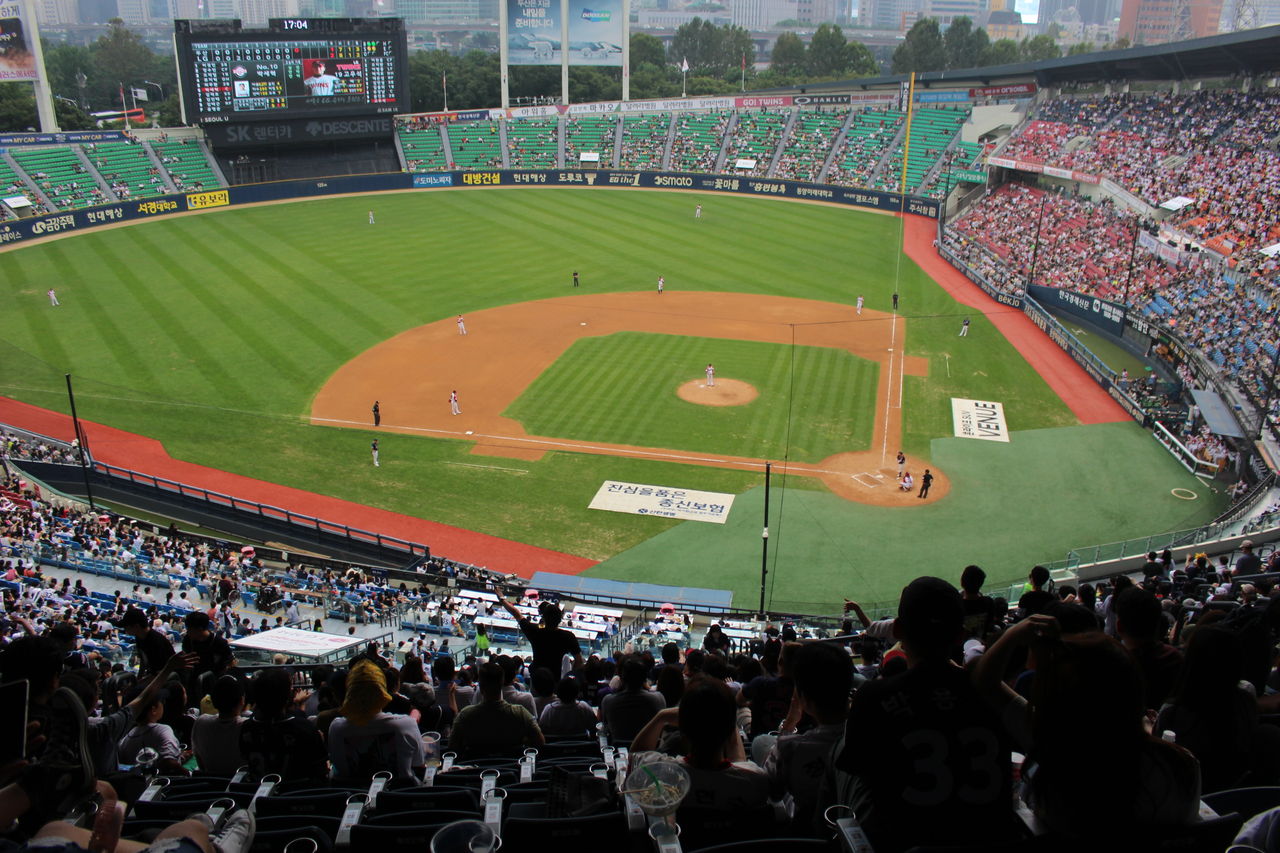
[66, 222]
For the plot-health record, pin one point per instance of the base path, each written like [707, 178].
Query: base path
[507, 348]
[146, 455]
[1083, 396]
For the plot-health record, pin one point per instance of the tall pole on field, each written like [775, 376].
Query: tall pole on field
[626, 50]
[764, 537]
[80, 444]
[564, 52]
[504, 55]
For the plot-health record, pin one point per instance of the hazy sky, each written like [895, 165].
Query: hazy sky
[1028, 8]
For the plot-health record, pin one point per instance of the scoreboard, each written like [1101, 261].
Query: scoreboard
[296, 68]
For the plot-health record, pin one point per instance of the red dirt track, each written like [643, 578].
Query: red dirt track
[1083, 396]
[146, 455]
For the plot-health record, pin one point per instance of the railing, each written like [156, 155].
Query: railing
[266, 511]
[1078, 557]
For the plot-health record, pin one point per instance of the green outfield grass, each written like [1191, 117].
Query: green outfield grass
[621, 388]
[212, 333]
[1028, 501]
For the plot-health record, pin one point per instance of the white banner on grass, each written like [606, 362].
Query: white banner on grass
[978, 419]
[664, 501]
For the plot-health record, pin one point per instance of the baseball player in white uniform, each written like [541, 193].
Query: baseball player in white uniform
[661, 283]
[53, 297]
[453, 403]
[697, 212]
[711, 376]
[371, 217]
[859, 306]
[462, 325]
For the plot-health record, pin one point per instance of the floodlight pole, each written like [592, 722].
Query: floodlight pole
[764, 537]
[1035, 246]
[80, 443]
[1133, 256]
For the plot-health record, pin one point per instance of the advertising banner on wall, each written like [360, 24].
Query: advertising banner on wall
[1107, 315]
[17, 62]
[533, 31]
[597, 29]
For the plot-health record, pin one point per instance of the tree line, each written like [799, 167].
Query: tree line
[720, 59]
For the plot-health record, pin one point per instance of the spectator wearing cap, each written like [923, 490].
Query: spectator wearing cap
[214, 652]
[152, 647]
[215, 738]
[1248, 563]
[927, 758]
[365, 740]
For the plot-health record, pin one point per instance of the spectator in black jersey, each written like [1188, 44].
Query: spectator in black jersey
[929, 759]
[550, 642]
[153, 649]
[979, 609]
[279, 738]
[1036, 598]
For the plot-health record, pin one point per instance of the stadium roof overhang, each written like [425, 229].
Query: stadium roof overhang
[1253, 53]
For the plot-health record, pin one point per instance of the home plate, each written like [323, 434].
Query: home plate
[582, 324]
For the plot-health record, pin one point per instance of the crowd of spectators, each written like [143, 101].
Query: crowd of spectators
[1086, 246]
[695, 147]
[1212, 146]
[811, 139]
[1171, 676]
[857, 157]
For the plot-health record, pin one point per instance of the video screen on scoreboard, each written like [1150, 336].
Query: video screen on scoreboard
[249, 75]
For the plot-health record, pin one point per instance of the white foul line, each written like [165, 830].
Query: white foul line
[603, 449]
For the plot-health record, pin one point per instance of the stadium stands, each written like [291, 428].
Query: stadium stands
[805, 152]
[126, 168]
[697, 142]
[186, 163]
[453, 727]
[1210, 146]
[14, 186]
[866, 143]
[533, 143]
[755, 137]
[475, 144]
[932, 131]
[60, 175]
[423, 148]
[590, 133]
[644, 141]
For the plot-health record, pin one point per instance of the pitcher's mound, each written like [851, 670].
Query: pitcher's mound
[726, 392]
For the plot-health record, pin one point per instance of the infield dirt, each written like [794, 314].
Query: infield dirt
[506, 349]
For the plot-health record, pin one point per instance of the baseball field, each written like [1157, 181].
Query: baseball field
[255, 341]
